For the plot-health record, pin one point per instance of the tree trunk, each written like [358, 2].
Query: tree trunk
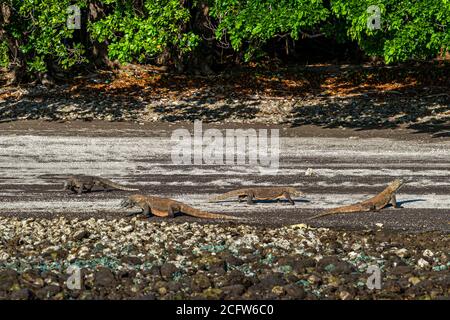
[17, 59]
[99, 49]
[200, 62]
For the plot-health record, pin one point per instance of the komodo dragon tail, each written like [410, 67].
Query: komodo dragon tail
[226, 195]
[117, 186]
[344, 209]
[204, 214]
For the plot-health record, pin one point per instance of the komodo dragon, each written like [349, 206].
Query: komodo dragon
[165, 207]
[376, 203]
[261, 193]
[80, 183]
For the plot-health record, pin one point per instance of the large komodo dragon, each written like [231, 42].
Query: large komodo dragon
[261, 193]
[165, 207]
[84, 183]
[376, 203]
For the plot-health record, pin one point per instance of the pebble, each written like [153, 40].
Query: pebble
[428, 253]
[127, 229]
[200, 282]
[278, 290]
[167, 270]
[80, 235]
[105, 278]
[422, 263]
[345, 295]
[414, 280]
[235, 290]
[294, 291]
[402, 253]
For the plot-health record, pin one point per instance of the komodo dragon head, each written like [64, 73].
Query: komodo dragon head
[398, 183]
[132, 201]
[68, 184]
[127, 203]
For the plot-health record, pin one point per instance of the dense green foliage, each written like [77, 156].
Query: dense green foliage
[254, 22]
[46, 35]
[408, 29]
[139, 33]
[34, 33]
[4, 57]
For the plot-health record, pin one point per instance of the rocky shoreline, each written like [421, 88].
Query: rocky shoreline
[142, 259]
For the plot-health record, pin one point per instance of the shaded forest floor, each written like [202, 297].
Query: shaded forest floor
[350, 96]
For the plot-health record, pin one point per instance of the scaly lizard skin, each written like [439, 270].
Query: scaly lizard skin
[261, 193]
[83, 183]
[165, 207]
[376, 203]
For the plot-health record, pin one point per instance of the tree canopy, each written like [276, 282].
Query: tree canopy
[38, 35]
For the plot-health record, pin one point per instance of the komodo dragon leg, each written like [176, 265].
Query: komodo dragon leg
[288, 198]
[250, 198]
[146, 211]
[171, 212]
[393, 202]
[85, 188]
[72, 189]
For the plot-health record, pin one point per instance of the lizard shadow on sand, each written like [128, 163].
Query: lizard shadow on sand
[400, 203]
[140, 215]
[282, 201]
[96, 190]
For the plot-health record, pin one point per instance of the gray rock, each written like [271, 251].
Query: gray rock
[294, 291]
[80, 235]
[234, 290]
[167, 270]
[8, 278]
[272, 280]
[200, 282]
[21, 294]
[47, 292]
[104, 278]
